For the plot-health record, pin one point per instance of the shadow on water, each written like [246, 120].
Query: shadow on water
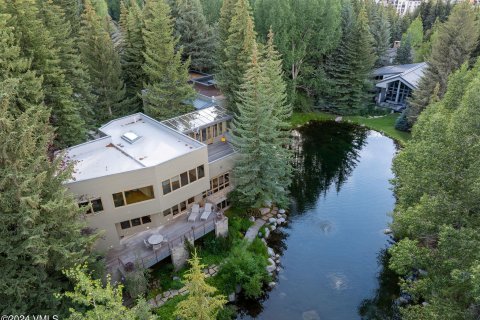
[324, 154]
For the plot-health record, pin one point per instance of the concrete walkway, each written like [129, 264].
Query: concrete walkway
[252, 232]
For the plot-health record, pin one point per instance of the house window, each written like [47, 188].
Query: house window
[139, 195]
[125, 224]
[118, 200]
[166, 186]
[184, 179]
[191, 200]
[136, 222]
[192, 174]
[200, 172]
[146, 219]
[183, 206]
[167, 212]
[175, 209]
[175, 183]
[85, 204]
[97, 205]
[218, 183]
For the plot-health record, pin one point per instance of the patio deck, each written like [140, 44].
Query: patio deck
[133, 249]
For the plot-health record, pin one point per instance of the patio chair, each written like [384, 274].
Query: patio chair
[195, 212]
[148, 245]
[206, 213]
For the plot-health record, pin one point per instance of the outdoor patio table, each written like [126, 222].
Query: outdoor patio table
[155, 239]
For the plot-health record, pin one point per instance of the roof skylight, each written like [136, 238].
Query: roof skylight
[130, 137]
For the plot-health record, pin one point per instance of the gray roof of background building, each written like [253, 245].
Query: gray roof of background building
[411, 76]
[394, 69]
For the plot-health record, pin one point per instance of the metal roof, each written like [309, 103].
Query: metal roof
[192, 121]
[410, 77]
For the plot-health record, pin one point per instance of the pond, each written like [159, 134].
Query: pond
[333, 249]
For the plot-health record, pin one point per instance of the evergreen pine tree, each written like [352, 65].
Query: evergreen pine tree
[15, 71]
[350, 65]
[200, 303]
[41, 231]
[262, 172]
[455, 41]
[73, 12]
[76, 74]
[37, 43]
[415, 34]
[166, 75]
[226, 14]
[281, 111]
[238, 49]
[132, 59]
[103, 63]
[380, 29]
[195, 35]
[404, 53]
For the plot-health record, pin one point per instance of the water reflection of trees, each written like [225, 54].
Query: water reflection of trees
[325, 153]
[382, 306]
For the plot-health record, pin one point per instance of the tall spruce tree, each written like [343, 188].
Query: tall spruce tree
[455, 41]
[15, 71]
[38, 44]
[349, 66]
[166, 75]
[262, 172]
[380, 29]
[41, 231]
[73, 11]
[415, 33]
[132, 59]
[404, 53]
[103, 63]
[226, 14]
[195, 36]
[238, 49]
[76, 74]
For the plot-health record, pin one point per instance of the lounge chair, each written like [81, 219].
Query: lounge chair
[207, 211]
[195, 212]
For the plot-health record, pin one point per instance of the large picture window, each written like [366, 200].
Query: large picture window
[133, 196]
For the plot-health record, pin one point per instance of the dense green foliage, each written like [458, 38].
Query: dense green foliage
[236, 46]
[98, 301]
[132, 59]
[414, 35]
[263, 171]
[437, 211]
[103, 63]
[41, 227]
[348, 68]
[201, 302]
[166, 75]
[305, 31]
[195, 36]
[452, 46]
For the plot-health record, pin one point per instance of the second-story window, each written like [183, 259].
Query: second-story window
[133, 196]
[200, 172]
[96, 205]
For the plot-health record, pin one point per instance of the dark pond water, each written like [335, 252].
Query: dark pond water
[333, 249]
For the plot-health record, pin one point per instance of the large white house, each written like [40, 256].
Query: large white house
[142, 176]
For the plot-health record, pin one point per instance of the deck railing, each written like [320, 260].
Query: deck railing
[164, 251]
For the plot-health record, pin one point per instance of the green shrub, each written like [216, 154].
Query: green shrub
[227, 313]
[136, 281]
[402, 123]
[245, 268]
[258, 248]
[166, 311]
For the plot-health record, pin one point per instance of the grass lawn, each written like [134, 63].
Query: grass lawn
[384, 124]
